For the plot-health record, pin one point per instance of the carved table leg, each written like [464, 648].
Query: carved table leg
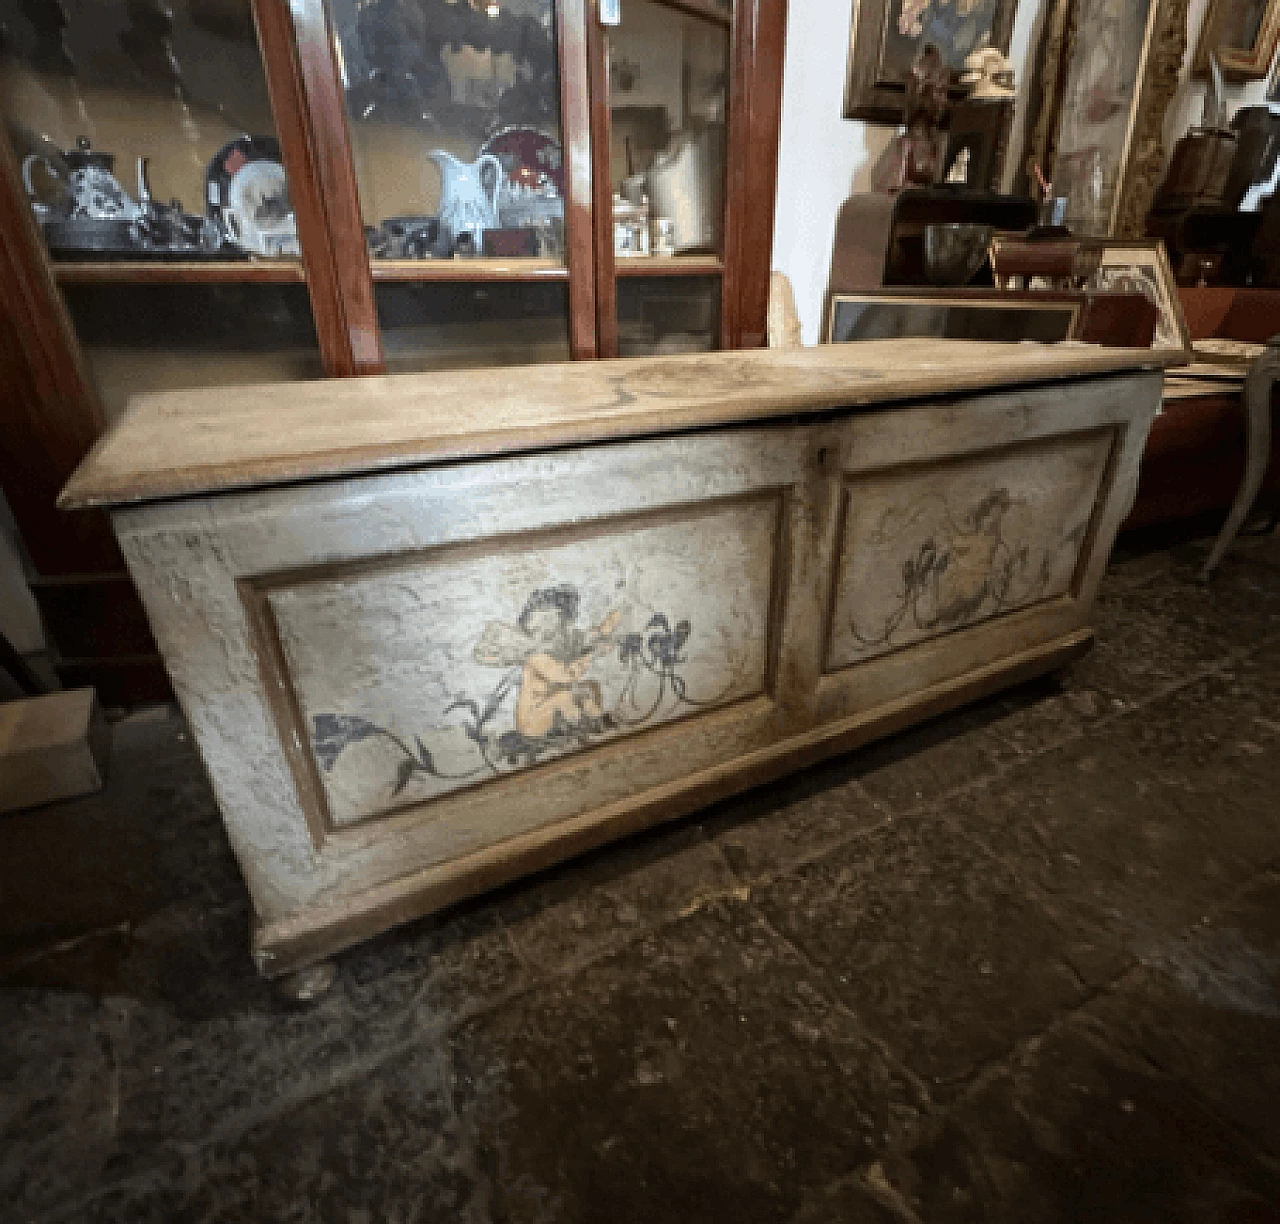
[1257, 407]
[309, 984]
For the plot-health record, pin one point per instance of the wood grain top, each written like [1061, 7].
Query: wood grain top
[186, 443]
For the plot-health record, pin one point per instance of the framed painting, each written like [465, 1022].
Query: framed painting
[1109, 73]
[1244, 33]
[887, 35]
[1142, 266]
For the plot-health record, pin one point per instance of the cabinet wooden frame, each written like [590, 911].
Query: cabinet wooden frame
[50, 415]
[306, 99]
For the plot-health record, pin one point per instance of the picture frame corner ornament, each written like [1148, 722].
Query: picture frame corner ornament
[1238, 64]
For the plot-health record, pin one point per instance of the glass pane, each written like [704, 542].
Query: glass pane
[454, 107]
[885, 318]
[159, 337]
[668, 84]
[668, 314]
[144, 129]
[458, 324]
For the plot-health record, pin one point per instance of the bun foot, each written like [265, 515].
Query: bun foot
[309, 984]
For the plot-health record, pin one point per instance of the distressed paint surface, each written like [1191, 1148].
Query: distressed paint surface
[943, 547]
[428, 677]
[212, 569]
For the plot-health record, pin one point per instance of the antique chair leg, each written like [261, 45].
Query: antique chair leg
[1257, 407]
[309, 984]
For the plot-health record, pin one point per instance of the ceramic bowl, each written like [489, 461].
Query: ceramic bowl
[954, 253]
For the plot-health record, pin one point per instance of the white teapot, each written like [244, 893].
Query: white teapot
[91, 186]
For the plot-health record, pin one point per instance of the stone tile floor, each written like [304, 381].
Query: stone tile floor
[1019, 964]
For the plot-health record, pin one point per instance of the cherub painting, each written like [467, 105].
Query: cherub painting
[544, 703]
[963, 569]
[554, 656]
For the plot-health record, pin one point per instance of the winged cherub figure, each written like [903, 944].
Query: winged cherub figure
[554, 657]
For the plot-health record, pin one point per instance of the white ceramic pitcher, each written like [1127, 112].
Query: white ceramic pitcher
[466, 205]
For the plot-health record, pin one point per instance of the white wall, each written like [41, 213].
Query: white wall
[823, 158]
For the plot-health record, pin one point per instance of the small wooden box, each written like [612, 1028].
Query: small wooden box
[51, 747]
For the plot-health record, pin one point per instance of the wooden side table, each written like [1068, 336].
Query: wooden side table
[1258, 387]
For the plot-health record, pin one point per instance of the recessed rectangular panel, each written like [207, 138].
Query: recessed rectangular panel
[933, 548]
[425, 676]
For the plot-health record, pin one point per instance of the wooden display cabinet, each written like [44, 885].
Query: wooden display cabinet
[357, 96]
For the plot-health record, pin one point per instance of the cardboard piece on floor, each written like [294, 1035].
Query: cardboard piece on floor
[51, 747]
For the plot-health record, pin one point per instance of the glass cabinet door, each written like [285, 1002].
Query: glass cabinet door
[144, 130]
[454, 112]
[149, 156]
[668, 82]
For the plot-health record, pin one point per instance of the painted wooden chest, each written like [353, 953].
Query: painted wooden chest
[435, 631]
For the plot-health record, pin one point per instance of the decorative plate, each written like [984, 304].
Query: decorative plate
[248, 195]
[531, 158]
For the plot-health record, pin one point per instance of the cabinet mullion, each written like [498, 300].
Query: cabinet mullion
[306, 97]
[573, 44]
[602, 191]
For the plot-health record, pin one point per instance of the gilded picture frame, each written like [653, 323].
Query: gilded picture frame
[1106, 160]
[886, 35]
[1244, 33]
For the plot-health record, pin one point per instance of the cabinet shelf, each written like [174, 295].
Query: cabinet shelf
[158, 272]
[284, 271]
[481, 268]
[669, 265]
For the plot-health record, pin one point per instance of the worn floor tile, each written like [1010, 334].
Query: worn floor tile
[772, 828]
[574, 912]
[389, 1146]
[1174, 629]
[936, 946]
[1206, 1010]
[911, 769]
[848, 1201]
[700, 1074]
[1077, 1131]
[1151, 820]
[199, 1046]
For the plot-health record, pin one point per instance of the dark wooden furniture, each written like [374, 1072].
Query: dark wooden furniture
[879, 238]
[343, 311]
[1119, 320]
[1194, 461]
